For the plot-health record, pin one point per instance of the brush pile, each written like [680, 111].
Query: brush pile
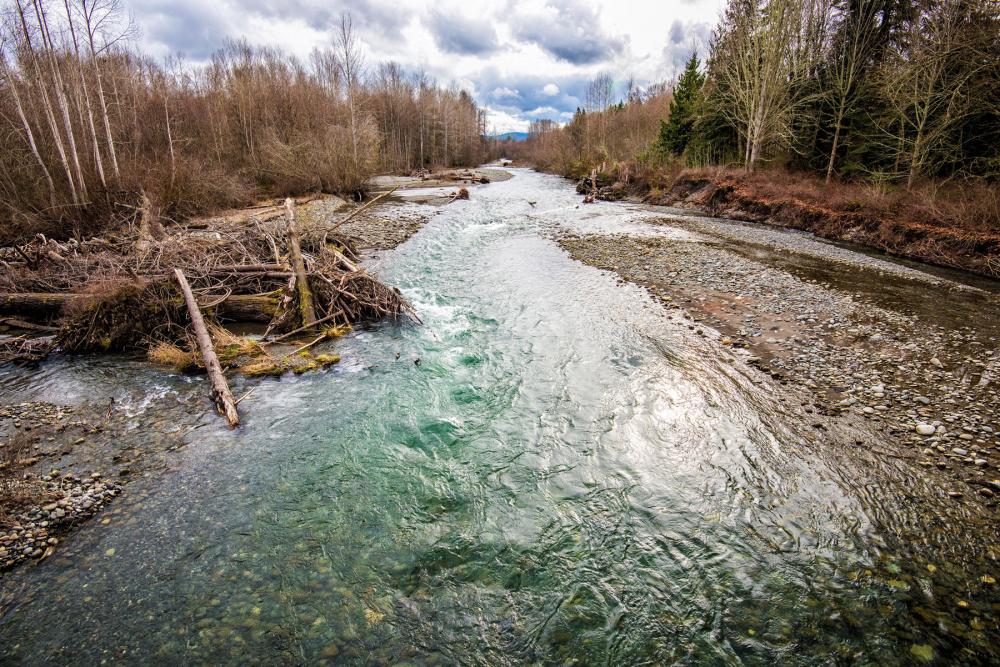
[120, 293]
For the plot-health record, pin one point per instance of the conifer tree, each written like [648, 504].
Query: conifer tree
[676, 131]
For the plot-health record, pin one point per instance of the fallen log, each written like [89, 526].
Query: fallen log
[27, 326]
[44, 305]
[223, 397]
[301, 329]
[306, 309]
[248, 268]
[248, 308]
[364, 207]
[18, 348]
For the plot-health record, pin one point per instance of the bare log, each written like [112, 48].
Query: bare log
[27, 326]
[223, 397]
[306, 309]
[251, 268]
[364, 207]
[351, 266]
[37, 304]
[45, 305]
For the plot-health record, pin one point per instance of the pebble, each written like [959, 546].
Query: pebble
[80, 499]
[841, 343]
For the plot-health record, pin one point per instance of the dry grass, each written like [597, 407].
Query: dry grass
[954, 224]
[168, 354]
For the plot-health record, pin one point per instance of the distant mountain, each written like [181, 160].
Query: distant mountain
[512, 136]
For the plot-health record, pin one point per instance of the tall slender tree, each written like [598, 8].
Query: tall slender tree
[676, 132]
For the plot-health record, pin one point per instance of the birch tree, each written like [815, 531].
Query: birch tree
[99, 20]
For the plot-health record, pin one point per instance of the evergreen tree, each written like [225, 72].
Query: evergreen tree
[676, 131]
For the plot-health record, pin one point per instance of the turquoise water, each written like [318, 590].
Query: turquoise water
[570, 475]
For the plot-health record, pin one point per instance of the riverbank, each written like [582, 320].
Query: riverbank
[951, 227]
[866, 338]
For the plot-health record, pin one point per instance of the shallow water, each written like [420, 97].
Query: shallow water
[567, 476]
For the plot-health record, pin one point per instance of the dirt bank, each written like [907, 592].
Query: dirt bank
[883, 344]
[899, 225]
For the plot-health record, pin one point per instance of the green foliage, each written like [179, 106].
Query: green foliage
[676, 132]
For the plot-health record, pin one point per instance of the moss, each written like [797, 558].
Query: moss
[325, 360]
[337, 331]
[305, 368]
[266, 367]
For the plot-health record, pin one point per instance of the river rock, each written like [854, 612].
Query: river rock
[925, 429]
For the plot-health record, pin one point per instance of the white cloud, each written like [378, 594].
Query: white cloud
[519, 67]
[501, 92]
[498, 122]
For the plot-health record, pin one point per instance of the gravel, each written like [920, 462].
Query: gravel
[924, 379]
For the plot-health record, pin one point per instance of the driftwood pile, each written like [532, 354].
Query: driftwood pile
[157, 288]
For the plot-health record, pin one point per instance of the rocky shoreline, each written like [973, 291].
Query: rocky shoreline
[923, 376]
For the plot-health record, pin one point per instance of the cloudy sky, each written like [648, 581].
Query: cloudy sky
[521, 59]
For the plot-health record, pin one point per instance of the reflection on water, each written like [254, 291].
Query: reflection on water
[567, 476]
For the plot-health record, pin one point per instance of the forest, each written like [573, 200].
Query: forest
[95, 130]
[886, 106]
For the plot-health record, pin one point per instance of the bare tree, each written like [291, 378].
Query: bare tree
[31, 55]
[927, 83]
[49, 48]
[848, 62]
[351, 64]
[752, 62]
[100, 18]
[22, 116]
[86, 94]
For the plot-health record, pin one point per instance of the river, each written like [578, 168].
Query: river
[548, 470]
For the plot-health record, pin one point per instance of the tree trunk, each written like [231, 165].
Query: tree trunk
[221, 394]
[61, 97]
[306, 309]
[915, 158]
[47, 106]
[86, 97]
[100, 94]
[30, 134]
[48, 306]
[833, 151]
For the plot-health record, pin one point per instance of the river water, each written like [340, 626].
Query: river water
[567, 476]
